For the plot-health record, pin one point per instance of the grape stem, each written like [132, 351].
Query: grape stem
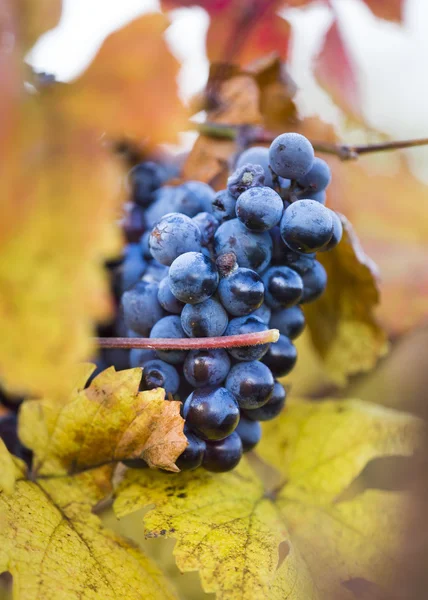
[228, 341]
[256, 135]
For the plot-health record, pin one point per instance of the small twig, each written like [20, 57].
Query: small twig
[257, 135]
[228, 341]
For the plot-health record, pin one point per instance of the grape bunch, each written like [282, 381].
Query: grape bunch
[209, 264]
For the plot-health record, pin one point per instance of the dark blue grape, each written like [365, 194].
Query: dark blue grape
[144, 245]
[159, 374]
[245, 177]
[272, 408]
[223, 206]
[224, 455]
[165, 199]
[252, 250]
[212, 413]
[263, 313]
[193, 455]
[169, 327]
[314, 283]
[196, 197]
[132, 268]
[206, 319]
[301, 263]
[283, 287]
[320, 197]
[248, 324]
[257, 155]
[337, 232]
[138, 356]
[250, 433]
[134, 223]
[307, 226]
[317, 178]
[206, 367]
[291, 155]
[259, 208]
[250, 383]
[141, 309]
[281, 357]
[193, 277]
[154, 272]
[167, 299]
[207, 224]
[289, 321]
[145, 179]
[241, 292]
[174, 235]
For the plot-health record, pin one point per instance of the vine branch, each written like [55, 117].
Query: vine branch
[229, 341]
[247, 135]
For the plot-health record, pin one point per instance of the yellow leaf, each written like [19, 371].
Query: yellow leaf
[229, 527]
[7, 470]
[342, 323]
[56, 548]
[108, 422]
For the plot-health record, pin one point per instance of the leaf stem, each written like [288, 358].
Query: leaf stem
[258, 135]
[229, 341]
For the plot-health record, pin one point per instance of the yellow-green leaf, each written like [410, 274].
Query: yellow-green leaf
[229, 527]
[108, 422]
[7, 470]
[55, 547]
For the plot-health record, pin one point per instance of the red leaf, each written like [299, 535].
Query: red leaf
[242, 31]
[391, 10]
[335, 72]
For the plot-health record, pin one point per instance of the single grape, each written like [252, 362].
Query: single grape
[248, 324]
[159, 374]
[193, 455]
[193, 277]
[145, 179]
[163, 204]
[259, 208]
[283, 287]
[263, 313]
[291, 155]
[207, 224]
[252, 250]
[244, 178]
[337, 232]
[306, 226]
[212, 413]
[174, 235]
[154, 272]
[289, 321]
[257, 155]
[250, 383]
[241, 292]
[196, 197]
[134, 223]
[167, 299]
[314, 283]
[206, 367]
[205, 319]
[272, 408]
[169, 327]
[301, 263]
[317, 178]
[281, 356]
[132, 268]
[320, 197]
[224, 455]
[250, 432]
[223, 206]
[138, 356]
[141, 309]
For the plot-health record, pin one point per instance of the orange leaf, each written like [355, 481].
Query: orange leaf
[335, 71]
[130, 89]
[391, 10]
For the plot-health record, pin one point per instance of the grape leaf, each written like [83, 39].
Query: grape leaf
[62, 192]
[54, 546]
[335, 71]
[240, 32]
[342, 323]
[7, 470]
[108, 422]
[230, 527]
[391, 10]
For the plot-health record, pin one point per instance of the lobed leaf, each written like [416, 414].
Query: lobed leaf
[231, 529]
[107, 422]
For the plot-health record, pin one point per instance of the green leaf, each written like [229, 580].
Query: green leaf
[297, 539]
